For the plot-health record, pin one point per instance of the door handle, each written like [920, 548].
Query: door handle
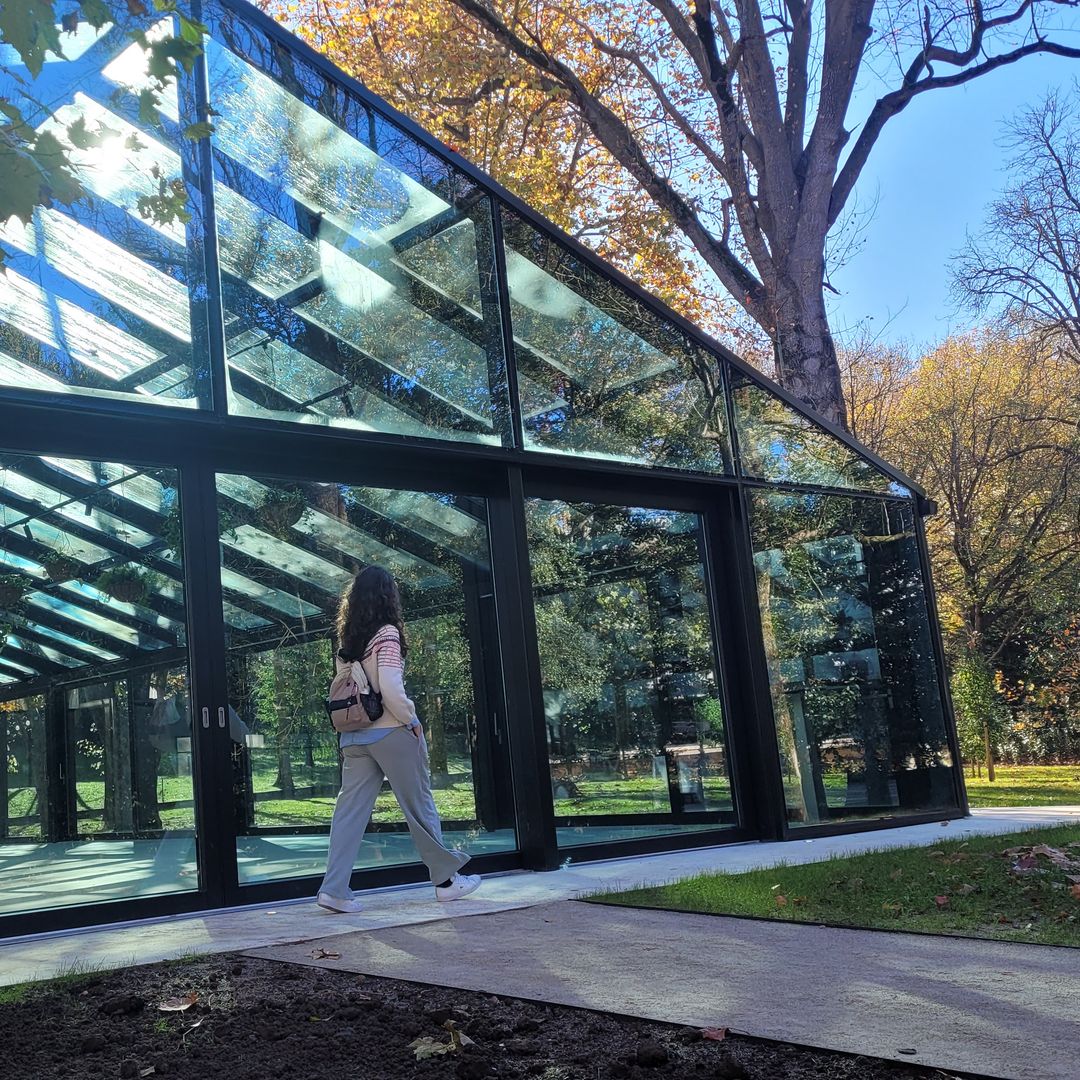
[221, 716]
[205, 717]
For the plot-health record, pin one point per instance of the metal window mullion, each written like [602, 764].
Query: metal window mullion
[194, 95]
[502, 287]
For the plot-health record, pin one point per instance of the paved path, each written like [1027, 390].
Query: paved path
[150, 940]
[995, 1008]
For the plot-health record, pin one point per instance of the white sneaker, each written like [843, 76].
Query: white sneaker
[460, 885]
[339, 903]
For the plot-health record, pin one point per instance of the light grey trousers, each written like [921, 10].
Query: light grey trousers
[401, 758]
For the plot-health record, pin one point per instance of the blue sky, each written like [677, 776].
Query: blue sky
[933, 172]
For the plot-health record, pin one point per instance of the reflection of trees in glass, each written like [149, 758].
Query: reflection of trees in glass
[356, 320]
[619, 382]
[624, 639]
[777, 443]
[289, 686]
[435, 545]
[24, 795]
[848, 646]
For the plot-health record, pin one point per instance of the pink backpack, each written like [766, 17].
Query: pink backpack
[352, 704]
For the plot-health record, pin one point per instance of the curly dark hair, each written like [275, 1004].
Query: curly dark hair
[370, 602]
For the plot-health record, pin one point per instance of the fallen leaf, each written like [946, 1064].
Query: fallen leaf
[941, 901]
[148, 1071]
[967, 889]
[458, 1039]
[178, 1004]
[323, 954]
[781, 901]
[717, 1034]
[1074, 891]
[427, 1047]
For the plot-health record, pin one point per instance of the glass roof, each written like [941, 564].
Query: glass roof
[67, 524]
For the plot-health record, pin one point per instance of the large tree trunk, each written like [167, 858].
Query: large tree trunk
[806, 362]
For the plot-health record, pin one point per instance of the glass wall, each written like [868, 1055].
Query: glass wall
[96, 755]
[357, 268]
[599, 375]
[105, 297]
[779, 444]
[848, 643]
[287, 552]
[632, 702]
[340, 273]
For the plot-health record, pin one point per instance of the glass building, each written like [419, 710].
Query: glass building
[652, 602]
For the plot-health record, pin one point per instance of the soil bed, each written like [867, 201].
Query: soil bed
[256, 1019]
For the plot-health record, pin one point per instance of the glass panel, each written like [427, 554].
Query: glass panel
[288, 551]
[97, 299]
[778, 443]
[95, 719]
[848, 643]
[599, 375]
[634, 719]
[331, 222]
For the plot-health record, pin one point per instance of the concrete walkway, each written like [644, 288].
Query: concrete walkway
[147, 941]
[994, 1008]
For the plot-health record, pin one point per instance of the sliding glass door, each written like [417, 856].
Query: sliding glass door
[633, 701]
[288, 549]
[97, 748]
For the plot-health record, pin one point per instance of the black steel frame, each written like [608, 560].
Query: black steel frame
[202, 443]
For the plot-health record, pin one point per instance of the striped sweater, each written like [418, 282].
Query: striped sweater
[385, 669]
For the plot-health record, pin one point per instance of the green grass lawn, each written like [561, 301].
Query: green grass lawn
[1016, 785]
[972, 888]
[1026, 785]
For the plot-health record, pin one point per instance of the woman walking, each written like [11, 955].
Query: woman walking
[370, 630]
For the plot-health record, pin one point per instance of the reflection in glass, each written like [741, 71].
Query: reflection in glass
[848, 643]
[599, 374]
[634, 720]
[329, 219]
[777, 443]
[287, 552]
[95, 717]
[97, 298]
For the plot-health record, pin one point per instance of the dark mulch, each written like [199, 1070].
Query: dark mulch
[255, 1019]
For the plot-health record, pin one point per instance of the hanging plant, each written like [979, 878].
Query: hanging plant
[61, 567]
[281, 509]
[127, 584]
[172, 530]
[13, 587]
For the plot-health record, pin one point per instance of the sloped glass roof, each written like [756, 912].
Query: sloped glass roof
[359, 280]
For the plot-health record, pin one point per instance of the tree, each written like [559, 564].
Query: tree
[981, 424]
[734, 122]
[40, 165]
[1026, 261]
[979, 711]
[873, 376]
